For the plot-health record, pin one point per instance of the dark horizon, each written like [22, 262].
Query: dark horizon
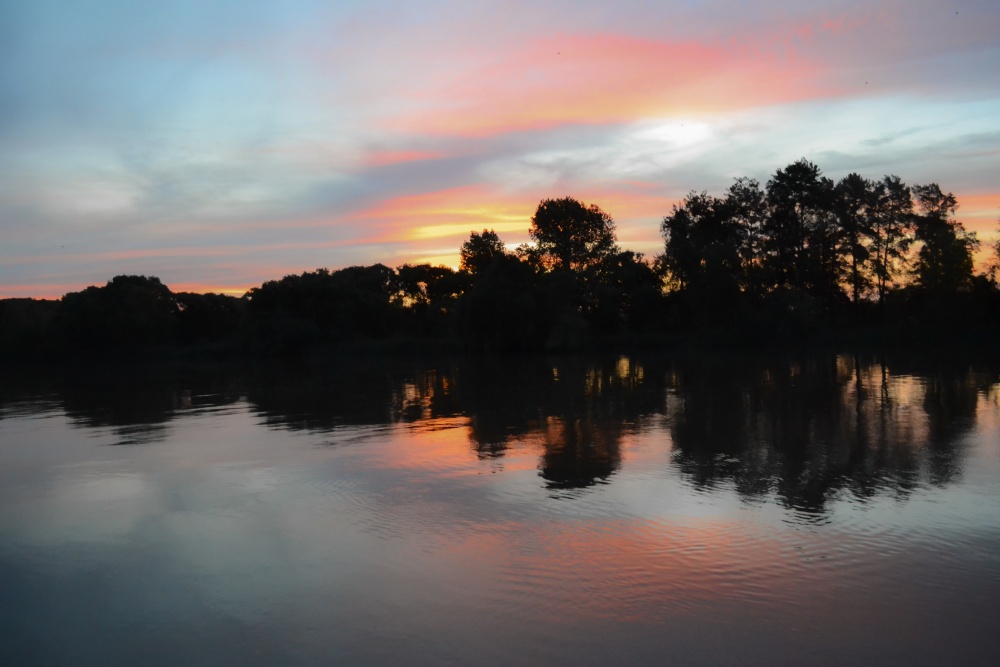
[795, 259]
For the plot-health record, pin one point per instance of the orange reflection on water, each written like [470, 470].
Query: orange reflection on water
[445, 447]
[642, 570]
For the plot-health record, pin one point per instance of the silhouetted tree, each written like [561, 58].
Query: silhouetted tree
[476, 254]
[504, 309]
[367, 292]
[702, 257]
[208, 318]
[320, 307]
[890, 223]
[802, 235]
[26, 326]
[855, 200]
[128, 312]
[626, 294]
[702, 252]
[570, 235]
[428, 294]
[414, 282]
[747, 208]
[944, 260]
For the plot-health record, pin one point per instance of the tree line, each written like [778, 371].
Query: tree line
[800, 256]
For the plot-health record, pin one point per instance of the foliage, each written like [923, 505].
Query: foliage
[703, 246]
[205, 319]
[128, 312]
[570, 235]
[322, 307]
[504, 308]
[479, 251]
[854, 203]
[944, 260]
[627, 294]
[802, 238]
[428, 294]
[25, 324]
[890, 227]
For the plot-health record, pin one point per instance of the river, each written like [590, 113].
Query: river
[816, 509]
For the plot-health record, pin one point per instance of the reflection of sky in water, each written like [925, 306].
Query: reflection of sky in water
[230, 541]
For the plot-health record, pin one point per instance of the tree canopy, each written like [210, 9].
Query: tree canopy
[476, 254]
[570, 235]
[944, 260]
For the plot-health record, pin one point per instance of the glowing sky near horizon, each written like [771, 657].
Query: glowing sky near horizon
[218, 144]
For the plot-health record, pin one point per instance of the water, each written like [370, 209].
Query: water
[822, 510]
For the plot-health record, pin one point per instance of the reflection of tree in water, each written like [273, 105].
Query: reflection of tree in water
[579, 453]
[951, 394]
[361, 392]
[807, 430]
[320, 398]
[136, 402]
[804, 430]
[576, 411]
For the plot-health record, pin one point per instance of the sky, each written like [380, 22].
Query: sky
[218, 144]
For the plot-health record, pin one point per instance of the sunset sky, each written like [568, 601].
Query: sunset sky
[218, 144]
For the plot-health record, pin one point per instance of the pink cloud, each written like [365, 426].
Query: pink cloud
[602, 78]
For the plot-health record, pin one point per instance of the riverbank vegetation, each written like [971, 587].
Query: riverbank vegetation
[800, 258]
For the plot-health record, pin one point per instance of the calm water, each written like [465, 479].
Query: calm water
[820, 510]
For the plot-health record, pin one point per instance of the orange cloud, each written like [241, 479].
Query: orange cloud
[604, 78]
[451, 213]
[979, 211]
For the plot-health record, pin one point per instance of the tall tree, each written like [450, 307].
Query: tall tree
[747, 206]
[944, 260]
[570, 235]
[854, 201]
[891, 224]
[802, 239]
[702, 246]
